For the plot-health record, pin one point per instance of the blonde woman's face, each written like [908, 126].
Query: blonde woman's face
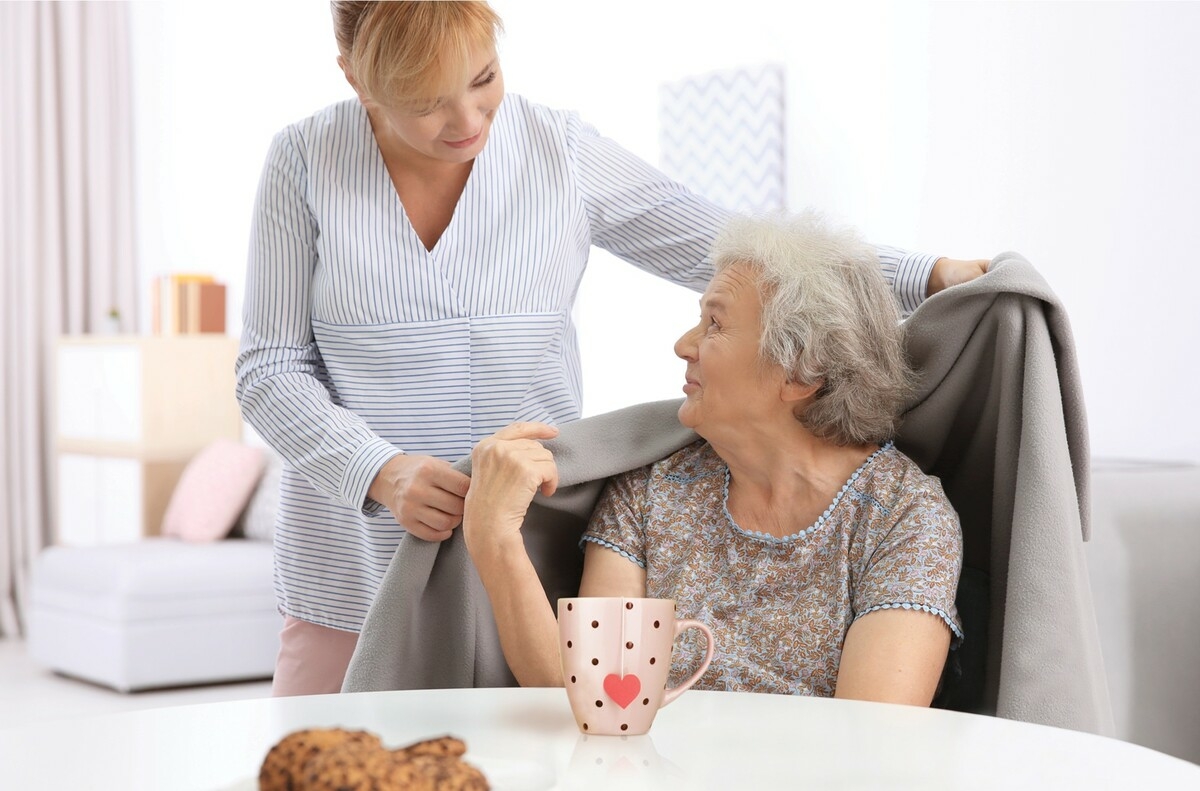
[456, 128]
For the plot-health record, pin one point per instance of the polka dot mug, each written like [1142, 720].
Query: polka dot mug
[616, 654]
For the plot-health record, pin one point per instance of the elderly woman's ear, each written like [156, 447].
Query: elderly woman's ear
[798, 392]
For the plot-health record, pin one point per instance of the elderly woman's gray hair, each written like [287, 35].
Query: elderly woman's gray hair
[828, 316]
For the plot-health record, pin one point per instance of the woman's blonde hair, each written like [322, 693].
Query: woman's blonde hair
[828, 316]
[408, 54]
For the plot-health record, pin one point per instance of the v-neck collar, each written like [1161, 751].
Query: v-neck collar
[398, 204]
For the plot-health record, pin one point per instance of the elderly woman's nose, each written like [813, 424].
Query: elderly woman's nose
[685, 347]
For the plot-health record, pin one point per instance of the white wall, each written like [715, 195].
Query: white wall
[213, 82]
[1067, 132]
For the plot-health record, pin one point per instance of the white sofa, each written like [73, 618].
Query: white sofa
[162, 612]
[1142, 561]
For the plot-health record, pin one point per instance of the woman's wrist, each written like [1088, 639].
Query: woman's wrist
[384, 482]
[489, 546]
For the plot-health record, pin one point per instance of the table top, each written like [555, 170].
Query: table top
[526, 739]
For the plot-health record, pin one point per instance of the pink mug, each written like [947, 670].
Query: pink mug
[616, 654]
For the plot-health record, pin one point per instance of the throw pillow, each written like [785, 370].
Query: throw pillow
[258, 520]
[212, 491]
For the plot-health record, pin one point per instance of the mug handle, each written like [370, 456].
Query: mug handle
[680, 628]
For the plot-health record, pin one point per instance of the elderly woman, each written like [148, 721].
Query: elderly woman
[823, 559]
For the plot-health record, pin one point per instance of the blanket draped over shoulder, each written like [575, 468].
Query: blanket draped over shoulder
[998, 417]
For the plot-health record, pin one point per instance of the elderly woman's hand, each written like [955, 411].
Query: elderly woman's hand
[507, 470]
[949, 272]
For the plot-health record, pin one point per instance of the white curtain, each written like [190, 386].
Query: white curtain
[66, 239]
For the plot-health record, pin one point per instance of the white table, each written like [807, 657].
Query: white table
[526, 739]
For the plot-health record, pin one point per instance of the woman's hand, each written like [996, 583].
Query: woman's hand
[424, 494]
[949, 272]
[507, 470]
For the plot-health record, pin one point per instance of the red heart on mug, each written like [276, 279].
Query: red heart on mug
[622, 689]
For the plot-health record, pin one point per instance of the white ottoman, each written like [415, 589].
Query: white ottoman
[155, 613]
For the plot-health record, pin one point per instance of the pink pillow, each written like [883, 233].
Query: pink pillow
[213, 489]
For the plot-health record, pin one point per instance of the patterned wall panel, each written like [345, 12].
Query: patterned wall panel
[722, 134]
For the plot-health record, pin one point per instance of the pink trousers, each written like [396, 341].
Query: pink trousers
[312, 659]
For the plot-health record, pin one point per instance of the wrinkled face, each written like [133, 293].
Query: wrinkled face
[455, 128]
[726, 384]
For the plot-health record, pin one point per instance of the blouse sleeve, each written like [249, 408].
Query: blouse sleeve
[619, 521]
[639, 214]
[282, 383]
[645, 217]
[915, 565]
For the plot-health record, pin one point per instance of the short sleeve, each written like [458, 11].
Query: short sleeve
[915, 565]
[619, 521]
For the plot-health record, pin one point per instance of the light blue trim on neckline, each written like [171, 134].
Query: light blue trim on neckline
[837, 498]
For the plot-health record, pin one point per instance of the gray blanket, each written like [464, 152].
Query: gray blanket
[999, 418]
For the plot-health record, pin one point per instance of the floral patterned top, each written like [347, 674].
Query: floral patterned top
[779, 608]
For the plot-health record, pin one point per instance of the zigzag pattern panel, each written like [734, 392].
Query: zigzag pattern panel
[722, 135]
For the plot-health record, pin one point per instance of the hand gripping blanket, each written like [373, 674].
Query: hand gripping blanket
[998, 417]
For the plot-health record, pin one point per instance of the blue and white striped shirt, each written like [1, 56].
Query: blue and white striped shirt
[359, 343]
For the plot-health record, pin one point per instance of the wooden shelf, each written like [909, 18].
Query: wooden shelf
[131, 411]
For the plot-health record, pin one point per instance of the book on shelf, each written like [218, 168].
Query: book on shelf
[183, 304]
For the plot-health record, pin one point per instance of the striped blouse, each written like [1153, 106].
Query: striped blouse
[358, 343]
